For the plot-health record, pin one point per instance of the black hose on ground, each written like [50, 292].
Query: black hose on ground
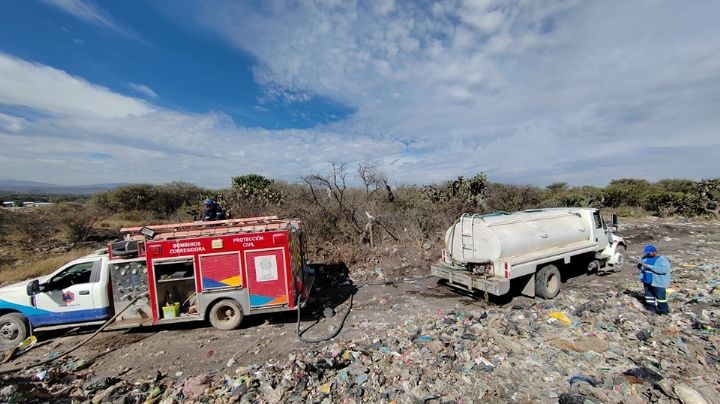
[93, 335]
[329, 337]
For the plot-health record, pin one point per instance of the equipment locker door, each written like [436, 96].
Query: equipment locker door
[267, 277]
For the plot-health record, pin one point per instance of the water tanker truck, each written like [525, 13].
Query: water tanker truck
[530, 248]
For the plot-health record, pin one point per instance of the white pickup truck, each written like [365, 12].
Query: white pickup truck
[488, 252]
[75, 293]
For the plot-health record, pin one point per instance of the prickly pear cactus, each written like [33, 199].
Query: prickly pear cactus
[709, 191]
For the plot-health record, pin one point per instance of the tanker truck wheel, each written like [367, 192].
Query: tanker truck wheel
[547, 282]
[226, 314]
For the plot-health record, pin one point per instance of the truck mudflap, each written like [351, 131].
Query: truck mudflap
[463, 279]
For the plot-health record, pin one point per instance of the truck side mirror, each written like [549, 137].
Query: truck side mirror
[33, 288]
[615, 220]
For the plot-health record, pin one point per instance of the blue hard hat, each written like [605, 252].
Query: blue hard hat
[649, 249]
[208, 202]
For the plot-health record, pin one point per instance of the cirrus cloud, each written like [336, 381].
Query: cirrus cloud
[527, 91]
[519, 89]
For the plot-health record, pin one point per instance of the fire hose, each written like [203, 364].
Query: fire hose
[75, 347]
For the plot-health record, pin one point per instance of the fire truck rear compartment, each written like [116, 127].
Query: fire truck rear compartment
[175, 288]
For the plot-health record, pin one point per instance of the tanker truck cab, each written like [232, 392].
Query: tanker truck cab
[529, 248]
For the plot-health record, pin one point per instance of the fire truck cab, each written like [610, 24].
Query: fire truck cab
[218, 271]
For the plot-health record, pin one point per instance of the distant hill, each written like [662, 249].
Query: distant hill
[33, 187]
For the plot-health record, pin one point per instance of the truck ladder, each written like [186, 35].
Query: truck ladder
[467, 235]
[217, 227]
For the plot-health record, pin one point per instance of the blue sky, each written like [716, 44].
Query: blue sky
[529, 92]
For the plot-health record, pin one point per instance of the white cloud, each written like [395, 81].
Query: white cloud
[485, 21]
[63, 121]
[143, 89]
[521, 89]
[552, 91]
[85, 10]
[51, 90]
[164, 146]
[11, 123]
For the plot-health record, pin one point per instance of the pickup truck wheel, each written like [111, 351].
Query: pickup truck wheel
[619, 259]
[13, 329]
[226, 315]
[547, 282]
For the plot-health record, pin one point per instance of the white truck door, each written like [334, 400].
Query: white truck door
[68, 295]
[600, 231]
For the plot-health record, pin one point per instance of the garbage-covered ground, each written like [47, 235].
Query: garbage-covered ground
[423, 342]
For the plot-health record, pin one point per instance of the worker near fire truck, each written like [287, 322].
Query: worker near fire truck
[212, 211]
[655, 276]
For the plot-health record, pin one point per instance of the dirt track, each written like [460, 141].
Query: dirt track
[199, 349]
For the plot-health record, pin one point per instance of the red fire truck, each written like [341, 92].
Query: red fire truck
[219, 271]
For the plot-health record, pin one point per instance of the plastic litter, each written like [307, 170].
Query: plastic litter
[688, 395]
[560, 316]
[593, 343]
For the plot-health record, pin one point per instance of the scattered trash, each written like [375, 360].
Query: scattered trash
[567, 398]
[424, 338]
[194, 387]
[41, 376]
[593, 343]
[96, 383]
[643, 335]
[560, 316]
[28, 343]
[644, 374]
[231, 362]
[587, 379]
[325, 388]
[688, 395]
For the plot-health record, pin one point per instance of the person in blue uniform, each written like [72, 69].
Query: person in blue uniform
[655, 276]
[212, 211]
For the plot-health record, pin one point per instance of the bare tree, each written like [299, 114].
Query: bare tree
[335, 184]
[373, 179]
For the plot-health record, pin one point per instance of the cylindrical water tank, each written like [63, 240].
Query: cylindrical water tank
[478, 239]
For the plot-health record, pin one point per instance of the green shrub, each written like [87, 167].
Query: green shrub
[677, 185]
[162, 200]
[250, 195]
[506, 197]
[666, 203]
[626, 191]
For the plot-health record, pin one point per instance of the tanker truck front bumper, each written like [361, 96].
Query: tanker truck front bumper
[466, 280]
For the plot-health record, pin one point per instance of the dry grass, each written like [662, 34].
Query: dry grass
[112, 223]
[43, 266]
[117, 222]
